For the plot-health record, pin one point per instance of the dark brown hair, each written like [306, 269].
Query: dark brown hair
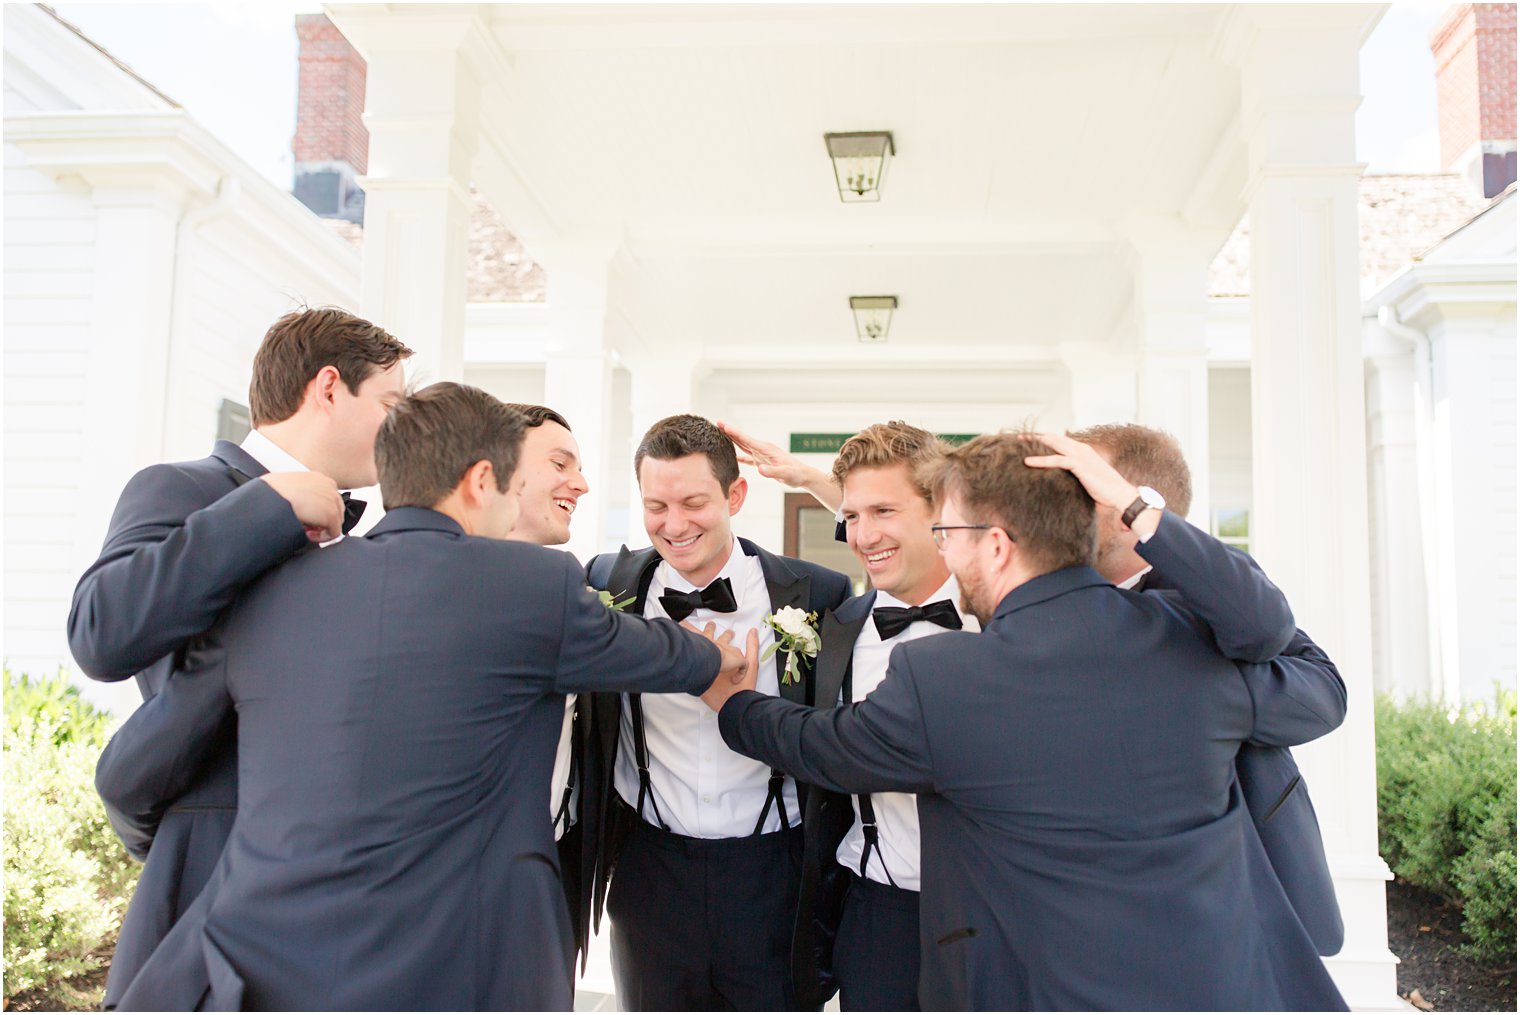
[300, 344]
[894, 443]
[433, 437]
[535, 416]
[678, 436]
[1046, 511]
[1145, 457]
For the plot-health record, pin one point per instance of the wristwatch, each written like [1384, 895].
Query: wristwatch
[1148, 499]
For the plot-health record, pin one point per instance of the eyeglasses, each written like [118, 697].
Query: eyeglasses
[938, 531]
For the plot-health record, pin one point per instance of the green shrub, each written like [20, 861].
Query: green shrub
[67, 878]
[1446, 810]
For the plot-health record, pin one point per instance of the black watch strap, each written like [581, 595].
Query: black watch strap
[1133, 511]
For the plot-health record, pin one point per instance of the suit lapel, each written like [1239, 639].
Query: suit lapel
[839, 629]
[631, 574]
[786, 588]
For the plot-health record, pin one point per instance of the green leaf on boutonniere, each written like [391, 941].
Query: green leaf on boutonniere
[797, 635]
[612, 602]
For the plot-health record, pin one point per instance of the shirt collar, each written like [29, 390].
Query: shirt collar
[950, 590]
[270, 455]
[1134, 579]
[673, 581]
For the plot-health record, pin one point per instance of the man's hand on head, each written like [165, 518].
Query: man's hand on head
[737, 672]
[782, 466]
[1101, 480]
[315, 500]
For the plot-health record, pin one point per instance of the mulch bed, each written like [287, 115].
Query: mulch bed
[1425, 932]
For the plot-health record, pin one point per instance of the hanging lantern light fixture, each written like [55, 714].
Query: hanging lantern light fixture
[873, 316]
[860, 163]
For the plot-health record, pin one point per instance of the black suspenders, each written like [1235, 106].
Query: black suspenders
[868, 829]
[641, 760]
[564, 803]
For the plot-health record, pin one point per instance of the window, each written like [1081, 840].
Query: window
[232, 423]
[1233, 526]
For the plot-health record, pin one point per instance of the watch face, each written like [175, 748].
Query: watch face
[1152, 498]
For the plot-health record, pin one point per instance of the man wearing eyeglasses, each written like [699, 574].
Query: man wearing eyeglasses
[1084, 841]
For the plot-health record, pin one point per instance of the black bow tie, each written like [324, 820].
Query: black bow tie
[718, 597]
[353, 510]
[894, 620]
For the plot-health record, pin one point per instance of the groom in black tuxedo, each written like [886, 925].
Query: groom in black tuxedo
[703, 847]
[185, 539]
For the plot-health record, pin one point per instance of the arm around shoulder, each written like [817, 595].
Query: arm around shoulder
[1299, 696]
[1248, 616]
[176, 555]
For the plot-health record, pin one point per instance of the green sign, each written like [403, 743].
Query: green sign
[830, 443]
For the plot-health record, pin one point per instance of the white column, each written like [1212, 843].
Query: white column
[422, 94]
[1299, 93]
[1472, 337]
[1171, 302]
[136, 224]
[1103, 383]
[1402, 655]
[578, 375]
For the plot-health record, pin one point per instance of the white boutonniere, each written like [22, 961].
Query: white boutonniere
[611, 601]
[796, 635]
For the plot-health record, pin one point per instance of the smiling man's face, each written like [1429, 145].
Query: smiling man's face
[688, 514]
[553, 485]
[887, 523]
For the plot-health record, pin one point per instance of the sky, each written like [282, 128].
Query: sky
[254, 45]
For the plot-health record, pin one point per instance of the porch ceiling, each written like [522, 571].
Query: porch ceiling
[708, 121]
[1030, 142]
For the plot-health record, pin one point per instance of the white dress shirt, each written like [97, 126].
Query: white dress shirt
[896, 813]
[703, 789]
[270, 455]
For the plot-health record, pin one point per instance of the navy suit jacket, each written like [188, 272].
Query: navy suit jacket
[1085, 842]
[184, 540]
[627, 574]
[1278, 798]
[399, 698]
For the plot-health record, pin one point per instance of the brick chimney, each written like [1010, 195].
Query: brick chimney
[331, 145]
[1474, 47]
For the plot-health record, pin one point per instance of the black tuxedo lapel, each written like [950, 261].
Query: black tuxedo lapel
[786, 588]
[631, 574]
[839, 634]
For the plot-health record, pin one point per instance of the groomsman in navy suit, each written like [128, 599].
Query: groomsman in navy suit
[1275, 791]
[399, 700]
[703, 847]
[1085, 844]
[185, 539]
